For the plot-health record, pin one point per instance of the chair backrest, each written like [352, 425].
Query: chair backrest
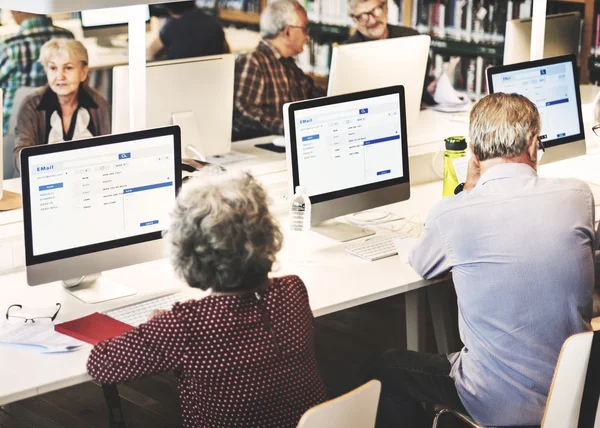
[356, 409]
[9, 134]
[564, 400]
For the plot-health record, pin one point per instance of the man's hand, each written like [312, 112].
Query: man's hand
[473, 173]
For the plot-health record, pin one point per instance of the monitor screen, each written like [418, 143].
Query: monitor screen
[108, 16]
[552, 85]
[96, 194]
[349, 145]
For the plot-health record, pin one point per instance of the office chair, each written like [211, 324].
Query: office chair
[567, 392]
[356, 409]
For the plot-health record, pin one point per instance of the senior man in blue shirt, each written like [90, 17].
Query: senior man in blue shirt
[521, 249]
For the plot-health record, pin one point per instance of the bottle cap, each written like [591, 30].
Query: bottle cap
[456, 143]
[300, 189]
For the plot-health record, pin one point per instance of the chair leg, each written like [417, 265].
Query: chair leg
[437, 416]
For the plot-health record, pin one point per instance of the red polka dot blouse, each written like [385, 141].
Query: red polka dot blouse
[240, 361]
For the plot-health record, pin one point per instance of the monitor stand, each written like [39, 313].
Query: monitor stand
[189, 133]
[95, 288]
[341, 231]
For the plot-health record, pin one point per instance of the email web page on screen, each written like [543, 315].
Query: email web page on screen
[349, 144]
[99, 194]
[552, 89]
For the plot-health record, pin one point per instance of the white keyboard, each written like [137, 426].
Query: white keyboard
[375, 248]
[139, 313]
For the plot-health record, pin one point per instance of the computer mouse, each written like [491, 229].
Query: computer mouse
[279, 141]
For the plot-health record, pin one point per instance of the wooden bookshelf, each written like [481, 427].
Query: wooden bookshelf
[586, 42]
[239, 16]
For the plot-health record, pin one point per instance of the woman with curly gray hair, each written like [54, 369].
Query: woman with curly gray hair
[244, 355]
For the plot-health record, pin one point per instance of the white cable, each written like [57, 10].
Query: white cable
[385, 217]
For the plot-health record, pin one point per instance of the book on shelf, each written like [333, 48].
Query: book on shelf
[240, 5]
[479, 21]
[205, 4]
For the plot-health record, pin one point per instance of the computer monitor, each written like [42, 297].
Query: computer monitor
[351, 153]
[96, 204]
[377, 64]
[105, 24]
[194, 93]
[553, 86]
[561, 37]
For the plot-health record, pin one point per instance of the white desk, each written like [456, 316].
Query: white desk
[335, 281]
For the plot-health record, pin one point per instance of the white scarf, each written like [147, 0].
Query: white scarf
[81, 126]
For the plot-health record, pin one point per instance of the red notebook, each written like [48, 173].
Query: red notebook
[93, 328]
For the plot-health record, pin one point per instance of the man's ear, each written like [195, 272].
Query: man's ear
[286, 31]
[532, 148]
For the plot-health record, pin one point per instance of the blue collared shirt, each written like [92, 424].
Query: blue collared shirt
[521, 250]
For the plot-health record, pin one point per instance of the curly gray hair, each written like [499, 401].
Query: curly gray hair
[222, 235]
[502, 125]
[277, 15]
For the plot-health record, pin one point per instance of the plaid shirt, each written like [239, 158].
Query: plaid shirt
[264, 82]
[19, 55]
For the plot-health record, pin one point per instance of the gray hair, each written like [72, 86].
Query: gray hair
[222, 235]
[502, 125]
[353, 3]
[277, 15]
[73, 48]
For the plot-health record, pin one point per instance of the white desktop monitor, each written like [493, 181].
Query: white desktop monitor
[194, 93]
[377, 64]
[562, 36]
[553, 86]
[97, 204]
[105, 24]
[351, 153]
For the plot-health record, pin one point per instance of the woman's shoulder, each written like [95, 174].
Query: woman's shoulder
[289, 282]
[35, 96]
[96, 97]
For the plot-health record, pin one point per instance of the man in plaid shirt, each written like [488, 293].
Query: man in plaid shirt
[268, 77]
[19, 55]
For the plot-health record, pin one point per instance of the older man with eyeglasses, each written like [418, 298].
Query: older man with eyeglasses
[268, 77]
[522, 250]
[371, 20]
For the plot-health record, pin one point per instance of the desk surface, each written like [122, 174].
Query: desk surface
[335, 280]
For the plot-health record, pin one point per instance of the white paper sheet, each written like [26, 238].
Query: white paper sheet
[40, 337]
[448, 99]
[461, 167]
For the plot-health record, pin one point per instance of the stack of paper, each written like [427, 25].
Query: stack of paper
[448, 99]
[37, 336]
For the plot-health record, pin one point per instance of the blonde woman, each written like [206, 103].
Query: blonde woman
[66, 108]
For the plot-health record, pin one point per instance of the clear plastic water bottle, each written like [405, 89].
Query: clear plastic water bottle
[300, 211]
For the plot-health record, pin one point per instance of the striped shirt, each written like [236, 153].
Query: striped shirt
[521, 249]
[264, 82]
[19, 55]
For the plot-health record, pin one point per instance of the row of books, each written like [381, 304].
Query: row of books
[206, 3]
[241, 5]
[480, 21]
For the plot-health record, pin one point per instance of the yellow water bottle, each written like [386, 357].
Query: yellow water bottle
[455, 148]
